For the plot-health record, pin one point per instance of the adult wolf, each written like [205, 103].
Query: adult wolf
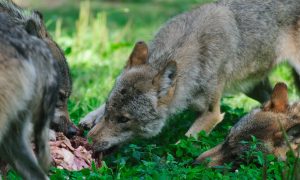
[29, 89]
[30, 82]
[62, 121]
[226, 46]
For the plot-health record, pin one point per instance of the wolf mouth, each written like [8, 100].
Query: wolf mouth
[99, 154]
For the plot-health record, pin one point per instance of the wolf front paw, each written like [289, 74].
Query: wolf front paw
[88, 121]
[92, 118]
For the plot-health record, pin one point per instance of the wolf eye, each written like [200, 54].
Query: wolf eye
[62, 96]
[123, 119]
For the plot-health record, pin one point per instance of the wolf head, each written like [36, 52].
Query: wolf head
[136, 106]
[61, 121]
[268, 124]
[32, 21]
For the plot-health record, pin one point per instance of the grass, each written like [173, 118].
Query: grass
[97, 38]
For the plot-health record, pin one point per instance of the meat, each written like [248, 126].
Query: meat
[71, 154]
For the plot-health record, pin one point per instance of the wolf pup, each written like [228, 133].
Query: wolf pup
[268, 125]
[61, 122]
[221, 47]
[28, 94]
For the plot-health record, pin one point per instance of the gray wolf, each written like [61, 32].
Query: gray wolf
[196, 57]
[61, 122]
[29, 90]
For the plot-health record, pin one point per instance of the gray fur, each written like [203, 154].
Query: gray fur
[28, 95]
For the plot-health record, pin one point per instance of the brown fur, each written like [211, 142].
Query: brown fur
[139, 55]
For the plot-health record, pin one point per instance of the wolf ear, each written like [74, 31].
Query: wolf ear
[31, 28]
[139, 55]
[279, 99]
[39, 14]
[165, 80]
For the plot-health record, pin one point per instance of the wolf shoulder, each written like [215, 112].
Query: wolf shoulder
[19, 47]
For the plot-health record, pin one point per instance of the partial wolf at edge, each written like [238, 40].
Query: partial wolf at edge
[28, 94]
[62, 121]
[34, 88]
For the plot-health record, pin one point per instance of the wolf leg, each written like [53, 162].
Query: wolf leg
[207, 120]
[41, 126]
[92, 118]
[42, 147]
[17, 150]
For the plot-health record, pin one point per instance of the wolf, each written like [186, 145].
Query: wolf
[268, 124]
[219, 48]
[28, 95]
[35, 84]
[61, 122]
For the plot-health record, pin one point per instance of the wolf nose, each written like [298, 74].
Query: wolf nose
[71, 132]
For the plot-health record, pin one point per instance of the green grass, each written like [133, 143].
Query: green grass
[97, 38]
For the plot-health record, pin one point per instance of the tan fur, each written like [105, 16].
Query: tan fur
[209, 119]
[279, 99]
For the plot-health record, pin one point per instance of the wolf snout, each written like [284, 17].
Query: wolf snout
[68, 127]
[73, 131]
